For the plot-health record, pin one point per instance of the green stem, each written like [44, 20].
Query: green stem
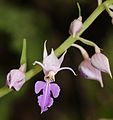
[65, 45]
[90, 43]
[94, 15]
[99, 2]
[23, 59]
[79, 9]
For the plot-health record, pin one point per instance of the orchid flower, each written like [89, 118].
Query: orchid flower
[89, 72]
[86, 68]
[51, 66]
[101, 62]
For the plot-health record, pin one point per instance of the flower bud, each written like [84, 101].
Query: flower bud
[15, 79]
[90, 72]
[75, 26]
[101, 62]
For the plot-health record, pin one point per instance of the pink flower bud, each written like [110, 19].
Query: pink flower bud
[15, 79]
[75, 26]
[101, 62]
[90, 72]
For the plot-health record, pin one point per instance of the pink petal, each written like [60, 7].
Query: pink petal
[18, 85]
[66, 68]
[50, 103]
[39, 85]
[61, 58]
[101, 62]
[89, 72]
[45, 100]
[75, 26]
[55, 89]
[51, 62]
[39, 63]
[41, 104]
[15, 79]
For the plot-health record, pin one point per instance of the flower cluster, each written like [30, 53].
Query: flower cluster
[90, 68]
[47, 90]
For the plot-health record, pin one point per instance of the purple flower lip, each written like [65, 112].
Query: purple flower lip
[45, 100]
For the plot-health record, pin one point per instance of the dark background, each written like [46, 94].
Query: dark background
[38, 20]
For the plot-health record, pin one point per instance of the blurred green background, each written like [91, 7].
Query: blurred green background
[38, 20]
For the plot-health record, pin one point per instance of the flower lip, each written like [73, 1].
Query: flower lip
[45, 100]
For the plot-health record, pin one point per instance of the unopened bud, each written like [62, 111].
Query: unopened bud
[75, 26]
[101, 62]
[90, 72]
[15, 79]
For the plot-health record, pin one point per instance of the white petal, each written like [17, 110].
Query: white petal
[90, 72]
[101, 62]
[39, 63]
[67, 68]
[45, 50]
[82, 50]
[52, 51]
[61, 58]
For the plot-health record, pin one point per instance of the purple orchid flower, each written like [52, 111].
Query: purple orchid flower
[51, 66]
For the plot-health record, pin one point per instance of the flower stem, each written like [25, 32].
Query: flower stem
[65, 45]
[94, 15]
[90, 43]
[23, 59]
